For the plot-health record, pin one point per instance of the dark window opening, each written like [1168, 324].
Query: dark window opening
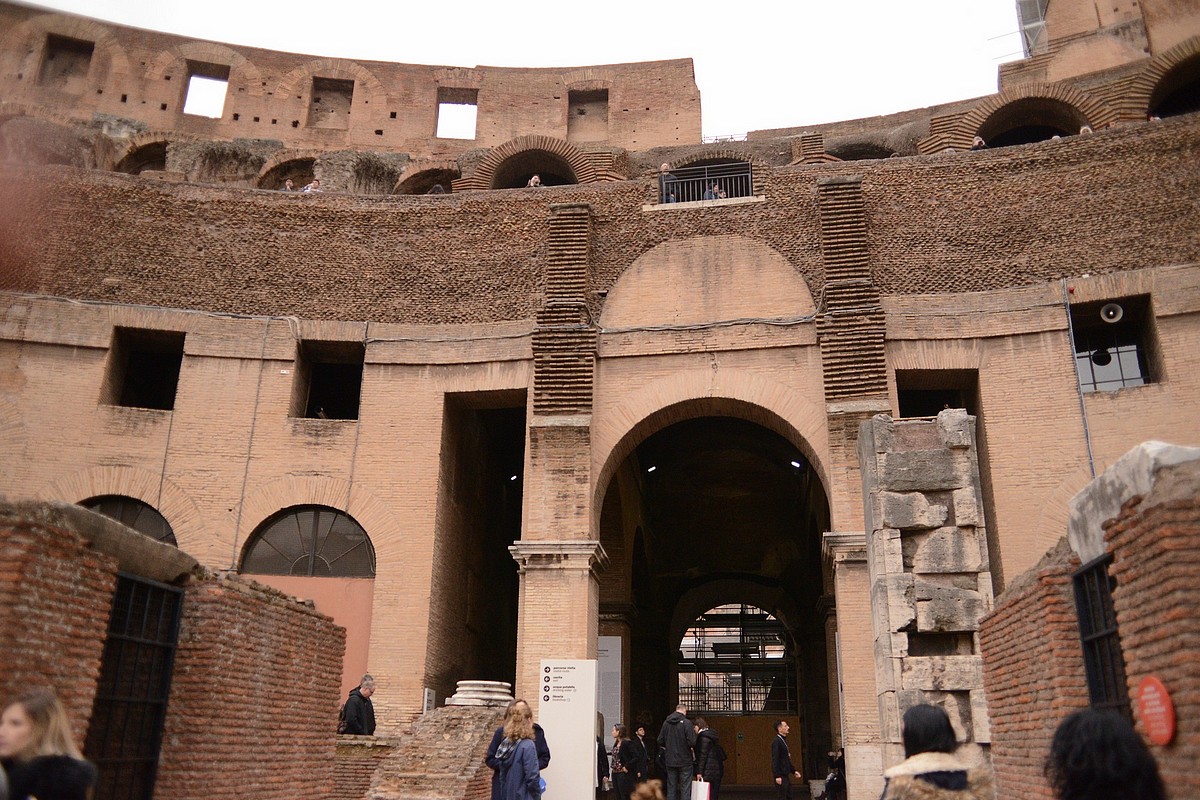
[735, 659]
[143, 368]
[300, 172]
[516, 170]
[1027, 134]
[310, 541]
[941, 644]
[928, 392]
[152, 156]
[331, 103]
[712, 179]
[1113, 343]
[1032, 119]
[424, 182]
[587, 116]
[859, 151]
[457, 113]
[1103, 659]
[328, 381]
[135, 514]
[66, 63]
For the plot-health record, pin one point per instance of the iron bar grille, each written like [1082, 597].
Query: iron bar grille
[734, 659]
[710, 182]
[1103, 660]
[135, 678]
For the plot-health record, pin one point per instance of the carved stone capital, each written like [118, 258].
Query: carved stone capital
[571, 555]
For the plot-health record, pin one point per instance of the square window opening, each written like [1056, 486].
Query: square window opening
[205, 90]
[587, 116]
[65, 63]
[928, 392]
[1103, 658]
[143, 369]
[457, 113]
[328, 380]
[330, 103]
[1114, 344]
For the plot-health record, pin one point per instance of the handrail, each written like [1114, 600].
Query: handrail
[710, 182]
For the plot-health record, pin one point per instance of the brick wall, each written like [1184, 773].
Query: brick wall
[55, 599]
[357, 759]
[1155, 542]
[1032, 671]
[439, 758]
[254, 697]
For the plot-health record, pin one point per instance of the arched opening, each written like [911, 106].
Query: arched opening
[859, 151]
[133, 513]
[1032, 119]
[713, 527]
[1179, 90]
[374, 175]
[152, 156]
[712, 179]
[320, 554]
[516, 170]
[299, 170]
[423, 182]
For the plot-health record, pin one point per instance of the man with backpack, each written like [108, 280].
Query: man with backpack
[358, 715]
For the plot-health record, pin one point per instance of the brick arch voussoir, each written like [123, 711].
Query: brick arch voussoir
[11, 109]
[1097, 113]
[173, 60]
[376, 517]
[344, 69]
[584, 170]
[420, 167]
[140, 140]
[23, 43]
[151, 488]
[586, 79]
[1143, 86]
[693, 393]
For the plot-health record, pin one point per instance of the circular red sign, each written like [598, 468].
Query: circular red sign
[1156, 710]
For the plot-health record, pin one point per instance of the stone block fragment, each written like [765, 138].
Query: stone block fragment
[948, 550]
[909, 511]
[967, 512]
[920, 470]
[942, 609]
[942, 673]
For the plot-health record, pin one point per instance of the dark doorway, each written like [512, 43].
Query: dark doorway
[125, 731]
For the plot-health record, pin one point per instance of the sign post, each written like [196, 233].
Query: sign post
[567, 696]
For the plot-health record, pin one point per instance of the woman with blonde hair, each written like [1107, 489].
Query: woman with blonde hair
[38, 752]
[520, 778]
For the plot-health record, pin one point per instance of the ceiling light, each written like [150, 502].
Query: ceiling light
[651, 469]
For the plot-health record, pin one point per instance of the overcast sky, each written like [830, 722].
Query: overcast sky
[758, 65]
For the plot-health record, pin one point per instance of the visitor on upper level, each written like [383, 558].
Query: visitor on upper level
[978, 143]
[315, 186]
[288, 186]
[666, 185]
[535, 182]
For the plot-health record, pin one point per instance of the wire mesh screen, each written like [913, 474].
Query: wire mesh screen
[735, 659]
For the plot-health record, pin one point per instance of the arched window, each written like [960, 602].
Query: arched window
[310, 541]
[735, 659]
[134, 514]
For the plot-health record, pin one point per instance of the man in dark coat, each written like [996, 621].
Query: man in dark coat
[710, 758]
[781, 762]
[359, 713]
[677, 738]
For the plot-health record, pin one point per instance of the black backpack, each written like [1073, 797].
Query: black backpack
[341, 726]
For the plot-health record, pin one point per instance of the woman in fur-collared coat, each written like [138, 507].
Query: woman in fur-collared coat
[930, 771]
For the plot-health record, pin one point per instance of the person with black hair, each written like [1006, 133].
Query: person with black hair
[782, 768]
[625, 761]
[929, 770]
[1096, 754]
[710, 758]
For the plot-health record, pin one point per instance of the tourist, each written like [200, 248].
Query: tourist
[710, 758]
[782, 767]
[978, 143]
[38, 754]
[929, 769]
[358, 712]
[1086, 130]
[711, 192]
[835, 781]
[666, 191]
[520, 777]
[624, 762]
[647, 750]
[676, 739]
[288, 186]
[315, 186]
[539, 742]
[1096, 755]
[534, 183]
[650, 790]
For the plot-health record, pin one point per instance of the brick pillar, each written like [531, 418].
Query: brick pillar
[855, 698]
[559, 611]
[559, 606]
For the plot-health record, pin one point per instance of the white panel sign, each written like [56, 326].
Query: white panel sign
[567, 712]
[610, 686]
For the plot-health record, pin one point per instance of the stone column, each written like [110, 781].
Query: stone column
[927, 560]
[859, 715]
[559, 610]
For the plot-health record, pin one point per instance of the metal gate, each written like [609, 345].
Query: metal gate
[135, 678]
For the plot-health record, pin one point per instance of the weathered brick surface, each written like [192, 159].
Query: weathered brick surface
[55, 599]
[439, 758]
[1033, 670]
[254, 696]
[1155, 544]
[357, 759]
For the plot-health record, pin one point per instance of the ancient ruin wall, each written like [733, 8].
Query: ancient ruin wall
[948, 223]
[135, 81]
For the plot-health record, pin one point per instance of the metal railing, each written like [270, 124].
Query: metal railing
[711, 182]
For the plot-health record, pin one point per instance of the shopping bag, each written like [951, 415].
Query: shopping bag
[700, 790]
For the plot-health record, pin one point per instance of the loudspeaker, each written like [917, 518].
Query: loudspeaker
[1111, 312]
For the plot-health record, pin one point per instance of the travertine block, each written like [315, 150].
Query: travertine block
[942, 673]
[948, 550]
[966, 507]
[921, 470]
[948, 609]
[909, 511]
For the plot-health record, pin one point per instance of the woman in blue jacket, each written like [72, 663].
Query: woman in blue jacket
[520, 778]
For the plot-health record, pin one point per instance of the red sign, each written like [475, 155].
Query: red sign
[1156, 710]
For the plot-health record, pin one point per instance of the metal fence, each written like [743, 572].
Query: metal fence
[711, 182]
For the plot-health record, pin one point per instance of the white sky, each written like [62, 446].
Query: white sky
[759, 65]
